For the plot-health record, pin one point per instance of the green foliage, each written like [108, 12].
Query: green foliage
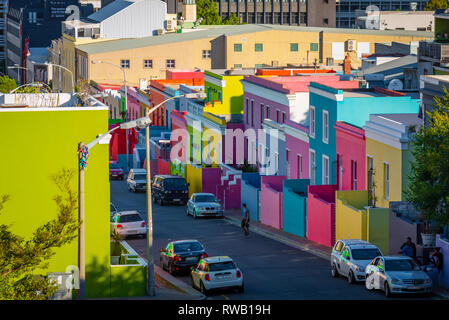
[428, 188]
[208, 10]
[232, 19]
[7, 84]
[436, 4]
[29, 89]
[20, 258]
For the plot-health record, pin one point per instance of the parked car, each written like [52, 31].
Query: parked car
[216, 273]
[115, 172]
[397, 274]
[182, 254]
[167, 188]
[349, 258]
[113, 209]
[137, 180]
[128, 223]
[204, 205]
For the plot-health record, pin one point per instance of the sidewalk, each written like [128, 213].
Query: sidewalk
[234, 216]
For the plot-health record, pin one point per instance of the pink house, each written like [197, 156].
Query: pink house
[133, 104]
[297, 150]
[351, 157]
[271, 201]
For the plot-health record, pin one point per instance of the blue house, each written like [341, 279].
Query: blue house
[272, 149]
[332, 103]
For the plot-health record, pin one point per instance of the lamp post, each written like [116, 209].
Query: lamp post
[16, 66]
[62, 67]
[126, 104]
[32, 84]
[150, 267]
[83, 154]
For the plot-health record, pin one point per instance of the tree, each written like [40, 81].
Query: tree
[428, 187]
[208, 10]
[432, 5]
[232, 19]
[7, 84]
[20, 258]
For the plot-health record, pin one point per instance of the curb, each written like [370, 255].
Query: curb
[288, 242]
[171, 282]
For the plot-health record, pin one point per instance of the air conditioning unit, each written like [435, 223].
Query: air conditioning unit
[171, 25]
[275, 63]
[351, 45]
[160, 31]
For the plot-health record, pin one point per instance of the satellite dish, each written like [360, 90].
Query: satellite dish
[396, 85]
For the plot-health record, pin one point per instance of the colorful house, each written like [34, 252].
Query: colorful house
[297, 150]
[294, 206]
[50, 153]
[271, 201]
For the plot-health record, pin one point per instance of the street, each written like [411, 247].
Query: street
[271, 270]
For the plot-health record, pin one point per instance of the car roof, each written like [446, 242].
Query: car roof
[397, 257]
[352, 243]
[138, 170]
[124, 213]
[217, 259]
[166, 176]
[203, 194]
[188, 240]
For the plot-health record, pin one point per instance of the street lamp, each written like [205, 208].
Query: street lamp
[62, 67]
[126, 104]
[83, 154]
[150, 265]
[32, 84]
[16, 66]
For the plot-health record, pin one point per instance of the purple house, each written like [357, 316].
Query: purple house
[296, 150]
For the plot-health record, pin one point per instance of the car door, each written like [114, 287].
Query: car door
[336, 252]
[381, 276]
[371, 271]
[345, 258]
[196, 274]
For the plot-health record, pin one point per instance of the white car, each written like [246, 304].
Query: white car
[350, 257]
[137, 180]
[397, 274]
[216, 273]
[128, 223]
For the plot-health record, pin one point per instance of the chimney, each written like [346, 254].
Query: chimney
[347, 66]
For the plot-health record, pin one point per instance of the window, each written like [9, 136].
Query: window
[276, 163]
[312, 122]
[325, 170]
[147, 64]
[258, 65]
[293, 47]
[299, 166]
[283, 117]
[124, 64]
[170, 63]
[354, 174]
[268, 113]
[252, 112]
[312, 166]
[287, 160]
[370, 166]
[277, 115]
[237, 65]
[325, 126]
[237, 47]
[258, 47]
[206, 54]
[387, 180]
[314, 47]
[261, 113]
[247, 111]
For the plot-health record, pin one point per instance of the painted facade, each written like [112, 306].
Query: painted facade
[271, 201]
[294, 206]
[250, 194]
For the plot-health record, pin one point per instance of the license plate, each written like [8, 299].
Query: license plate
[132, 231]
[115, 175]
[413, 288]
[176, 199]
[191, 259]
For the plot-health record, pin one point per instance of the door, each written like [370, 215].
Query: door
[372, 273]
[344, 261]
[380, 278]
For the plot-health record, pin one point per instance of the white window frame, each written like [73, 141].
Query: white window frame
[325, 179]
[145, 65]
[288, 160]
[326, 126]
[206, 54]
[299, 165]
[276, 163]
[354, 174]
[312, 166]
[312, 121]
[386, 181]
[169, 64]
[125, 63]
[340, 171]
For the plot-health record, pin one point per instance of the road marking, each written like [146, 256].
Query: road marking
[226, 297]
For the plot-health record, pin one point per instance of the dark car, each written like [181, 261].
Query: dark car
[115, 172]
[166, 188]
[181, 255]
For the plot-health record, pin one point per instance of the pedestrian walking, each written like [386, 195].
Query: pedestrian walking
[245, 220]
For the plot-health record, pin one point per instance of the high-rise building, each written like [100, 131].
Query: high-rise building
[3, 12]
[346, 9]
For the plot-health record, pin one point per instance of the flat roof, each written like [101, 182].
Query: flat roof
[230, 30]
[360, 94]
[409, 119]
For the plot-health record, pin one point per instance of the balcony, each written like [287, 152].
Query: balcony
[434, 51]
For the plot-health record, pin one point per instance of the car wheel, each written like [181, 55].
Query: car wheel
[203, 289]
[334, 271]
[171, 269]
[194, 215]
[387, 290]
[162, 264]
[188, 213]
[193, 282]
[351, 279]
[368, 285]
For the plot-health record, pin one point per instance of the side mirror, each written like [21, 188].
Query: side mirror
[162, 250]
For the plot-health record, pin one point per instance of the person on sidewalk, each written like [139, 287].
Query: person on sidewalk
[437, 259]
[245, 220]
[408, 248]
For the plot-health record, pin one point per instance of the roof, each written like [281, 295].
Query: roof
[229, 30]
[188, 240]
[397, 257]
[110, 10]
[124, 213]
[203, 193]
[390, 65]
[217, 259]
[409, 119]
[166, 176]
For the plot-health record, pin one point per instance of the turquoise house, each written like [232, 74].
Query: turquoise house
[343, 101]
[294, 206]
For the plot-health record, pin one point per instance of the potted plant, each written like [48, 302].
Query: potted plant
[116, 248]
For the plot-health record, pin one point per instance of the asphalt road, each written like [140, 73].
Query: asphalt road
[271, 270]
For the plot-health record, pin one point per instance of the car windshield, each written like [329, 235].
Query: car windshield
[365, 254]
[175, 183]
[205, 198]
[130, 218]
[401, 265]
[113, 208]
[140, 176]
[114, 166]
[187, 246]
[228, 265]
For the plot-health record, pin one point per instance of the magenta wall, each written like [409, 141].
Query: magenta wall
[210, 180]
[271, 201]
[229, 191]
[297, 146]
[233, 127]
[321, 214]
[351, 145]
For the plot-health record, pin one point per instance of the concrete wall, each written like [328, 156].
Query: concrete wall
[250, 194]
[399, 229]
[294, 206]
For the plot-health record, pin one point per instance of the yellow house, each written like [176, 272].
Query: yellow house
[234, 46]
[388, 139]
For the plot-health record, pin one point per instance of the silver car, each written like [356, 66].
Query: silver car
[397, 274]
[204, 205]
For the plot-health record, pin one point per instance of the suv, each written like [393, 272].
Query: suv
[349, 258]
[137, 180]
[167, 188]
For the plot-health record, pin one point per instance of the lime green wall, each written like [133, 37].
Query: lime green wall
[197, 141]
[37, 144]
[378, 228]
[441, 27]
